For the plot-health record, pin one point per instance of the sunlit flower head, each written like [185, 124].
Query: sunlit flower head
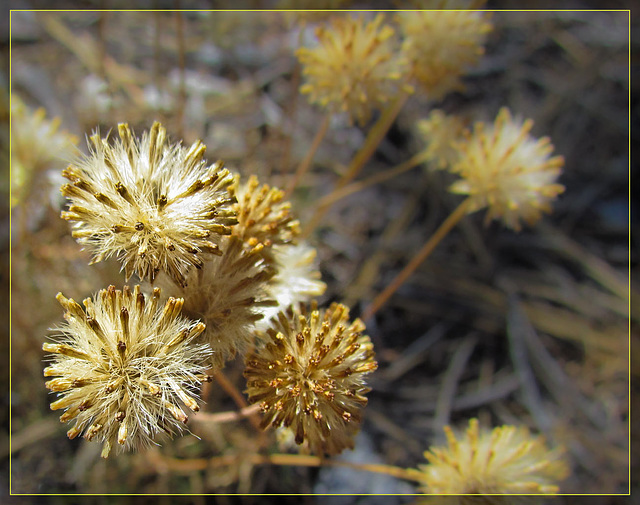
[441, 45]
[440, 132]
[263, 217]
[125, 366]
[507, 459]
[153, 205]
[355, 67]
[310, 376]
[508, 171]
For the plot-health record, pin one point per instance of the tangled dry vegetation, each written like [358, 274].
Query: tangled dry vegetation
[529, 329]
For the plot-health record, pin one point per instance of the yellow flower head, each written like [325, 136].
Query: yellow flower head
[354, 69]
[507, 170]
[124, 366]
[440, 132]
[441, 45]
[310, 376]
[157, 207]
[505, 460]
[263, 218]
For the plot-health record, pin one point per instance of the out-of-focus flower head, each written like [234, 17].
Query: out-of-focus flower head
[156, 206]
[441, 132]
[508, 171]
[507, 459]
[441, 45]
[36, 144]
[310, 376]
[354, 69]
[124, 366]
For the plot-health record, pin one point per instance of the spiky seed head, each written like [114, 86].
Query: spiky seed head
[125, 367]
[354, 69]
[310, 376]
[263, 217]
[155, 206]
[508, 171]
[441, 45]
[507, 459]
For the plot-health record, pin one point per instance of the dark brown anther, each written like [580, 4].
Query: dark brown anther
[84, 405]
[139, 226]
[116, 228]
[122, 346]
[162, 201]
[120, 416]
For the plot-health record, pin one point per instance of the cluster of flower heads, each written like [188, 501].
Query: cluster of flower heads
[228, 256]
[501, 166]
[359, 65]
[505, 460]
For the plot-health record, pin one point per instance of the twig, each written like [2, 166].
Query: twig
[237, 397]
[417, 260]
[226, 417]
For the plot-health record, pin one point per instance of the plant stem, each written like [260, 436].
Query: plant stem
[306, 162]
[417, 260]
[374, 137]
[403, 167]
[237, 397]
[227, 417]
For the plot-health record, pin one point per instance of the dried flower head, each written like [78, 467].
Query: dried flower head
[157, 207]
[354, 69]
[229, 294]
[507, 459]
[507, 170]
[440, 132]
[36, 143]
[263, 218]
[310, 376]
[297, 279]
[441, 45]
[124, 367]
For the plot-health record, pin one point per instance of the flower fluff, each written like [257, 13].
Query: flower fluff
[507, 170]
[157, 207]
[125, 367]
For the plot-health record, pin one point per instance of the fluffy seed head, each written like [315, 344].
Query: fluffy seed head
[354, 69]
[507, 170]
[310, 376]
[507, 459]
[297, 279]
[441, 45]
[125, 367]
[229, 294]
[156, 206]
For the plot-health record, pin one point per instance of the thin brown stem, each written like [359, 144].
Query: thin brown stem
[417, 260]
[371, 143]
[340, 193]
[306, 162]
[236, 396]
[227, 417]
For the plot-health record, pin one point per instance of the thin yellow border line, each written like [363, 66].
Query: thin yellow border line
[628, 11]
